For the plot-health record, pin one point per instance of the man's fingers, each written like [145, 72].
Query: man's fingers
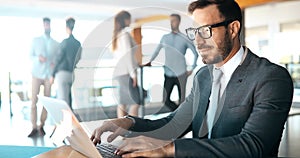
[96, 136]
[92, 137]
[96, 141]
[128, 146]
[111, 137]
[114, 135]
[125, 150]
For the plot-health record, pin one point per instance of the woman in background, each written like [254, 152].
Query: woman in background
[124, 48]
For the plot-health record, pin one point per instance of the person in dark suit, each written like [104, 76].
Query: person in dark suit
[69, 54]
[254, 102]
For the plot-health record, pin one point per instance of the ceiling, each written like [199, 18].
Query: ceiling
[250, 3]
[82, 9]
[95, 9]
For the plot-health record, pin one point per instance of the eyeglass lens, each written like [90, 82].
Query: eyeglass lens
[204, 32]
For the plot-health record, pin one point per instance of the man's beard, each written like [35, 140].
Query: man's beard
[174, 28]
[227, 46]
[224, 50]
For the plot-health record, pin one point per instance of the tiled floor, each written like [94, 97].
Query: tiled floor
[14, 131]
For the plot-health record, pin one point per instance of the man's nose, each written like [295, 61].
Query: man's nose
[199, 39]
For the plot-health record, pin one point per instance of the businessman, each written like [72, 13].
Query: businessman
[249, 112]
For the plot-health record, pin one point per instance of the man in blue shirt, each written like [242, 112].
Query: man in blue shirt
[42, 53]
[175, 45]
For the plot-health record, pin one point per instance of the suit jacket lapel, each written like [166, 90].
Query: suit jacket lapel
[202, 100]
[234, 85]
[238, 77]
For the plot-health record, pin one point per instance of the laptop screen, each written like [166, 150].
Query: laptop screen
[64, 118]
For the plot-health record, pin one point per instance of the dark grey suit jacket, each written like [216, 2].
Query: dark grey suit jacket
[257, 101]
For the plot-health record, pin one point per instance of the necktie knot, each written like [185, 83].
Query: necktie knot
[217, 73]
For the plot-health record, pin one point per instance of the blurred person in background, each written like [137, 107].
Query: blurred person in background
[69, 54]
[43, 51]
[176, 73]
[124, 48]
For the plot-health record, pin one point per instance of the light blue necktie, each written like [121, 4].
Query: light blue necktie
[214, 102]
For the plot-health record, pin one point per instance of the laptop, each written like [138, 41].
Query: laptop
[67, 126]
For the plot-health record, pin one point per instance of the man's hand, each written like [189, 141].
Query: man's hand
[146, 147]
[119, 127]
[189, 73]
[134, 81]
[42, 59]
[51, 80]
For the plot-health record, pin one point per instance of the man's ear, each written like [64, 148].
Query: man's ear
[234, 27]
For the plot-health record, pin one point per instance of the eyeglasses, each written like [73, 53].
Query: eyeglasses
[204, 31]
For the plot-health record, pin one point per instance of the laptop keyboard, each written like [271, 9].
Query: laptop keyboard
[107, 150]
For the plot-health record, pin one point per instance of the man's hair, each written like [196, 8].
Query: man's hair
[70, 22]
[46, 19]
[229, 9]
[177, 16]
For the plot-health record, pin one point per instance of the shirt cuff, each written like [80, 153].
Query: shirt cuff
[129, 132]
[131, 118]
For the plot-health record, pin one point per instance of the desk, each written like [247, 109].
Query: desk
[63, 151]
[294, 111]
[68, 151]
[12, 151]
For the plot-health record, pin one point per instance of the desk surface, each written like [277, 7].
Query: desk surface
[63, 151]
[14, 151]
[67, 150]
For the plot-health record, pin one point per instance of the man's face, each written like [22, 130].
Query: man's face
[174, 23]
[215, 49]
[47, 28]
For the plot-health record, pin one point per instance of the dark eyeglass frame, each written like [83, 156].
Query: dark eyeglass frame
[223, 23]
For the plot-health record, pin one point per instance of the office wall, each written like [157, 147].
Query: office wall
[267, 35]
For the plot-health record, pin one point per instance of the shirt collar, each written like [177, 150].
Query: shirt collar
[46, 37]
[229, 67]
